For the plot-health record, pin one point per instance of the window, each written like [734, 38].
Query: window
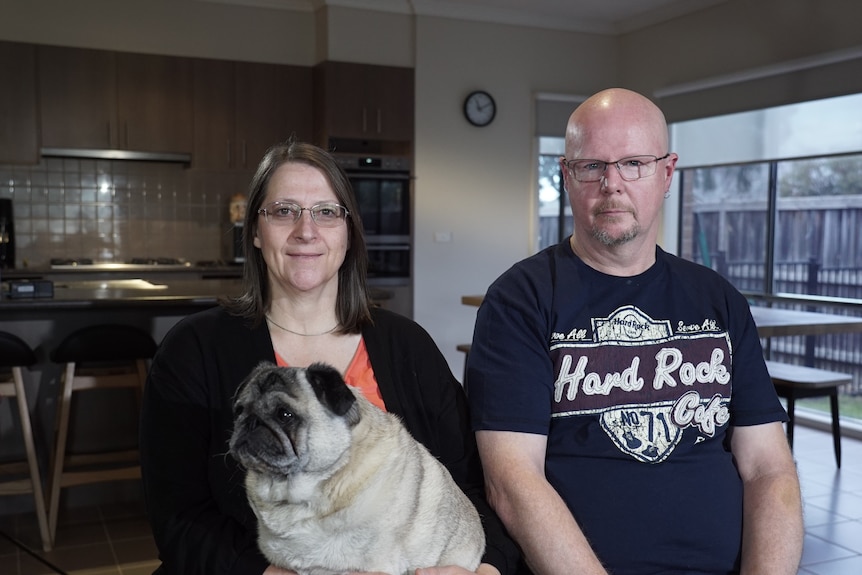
[555, 213]
[772, 200]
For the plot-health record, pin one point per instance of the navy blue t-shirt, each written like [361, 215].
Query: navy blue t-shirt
[636, 382]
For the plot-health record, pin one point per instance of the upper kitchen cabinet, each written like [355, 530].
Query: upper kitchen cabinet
[243, 108]
[214, 114]
[112, 100]
[363, 101]
[19, 135]
[154, 102]
[274, 102]
[78, 97]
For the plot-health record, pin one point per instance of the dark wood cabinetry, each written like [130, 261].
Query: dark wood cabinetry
[274, 102]
[154, 103]
[113, 100]
[242, 108]
[19, 135]
[224, 113]
[214, 105]
[363, 101]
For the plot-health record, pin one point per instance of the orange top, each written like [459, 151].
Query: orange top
[360, 375]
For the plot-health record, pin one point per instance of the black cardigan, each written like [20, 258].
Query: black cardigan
[196, 501]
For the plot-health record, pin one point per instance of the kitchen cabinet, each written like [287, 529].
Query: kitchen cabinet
[243, 108]
[19, 134]
[113, 100]
[154, 103]
[363, 101]
[214, 116]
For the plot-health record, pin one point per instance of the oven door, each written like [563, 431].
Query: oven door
[388, 261]
[384, 205]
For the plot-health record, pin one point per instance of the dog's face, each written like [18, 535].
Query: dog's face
[292, 420]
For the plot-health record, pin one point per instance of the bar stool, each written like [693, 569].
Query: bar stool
[15, 354]
[97, 357]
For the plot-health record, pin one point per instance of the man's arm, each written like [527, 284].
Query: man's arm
[772, 528]
[530, 507]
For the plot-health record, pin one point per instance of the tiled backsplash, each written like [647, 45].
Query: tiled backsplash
[115, 210]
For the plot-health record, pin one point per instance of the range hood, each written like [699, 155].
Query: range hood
[104, 154]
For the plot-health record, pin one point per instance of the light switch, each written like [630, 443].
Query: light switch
[442, 237]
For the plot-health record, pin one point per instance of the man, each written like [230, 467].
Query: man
[624, 415]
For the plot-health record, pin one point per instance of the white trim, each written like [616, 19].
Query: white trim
[764, 72]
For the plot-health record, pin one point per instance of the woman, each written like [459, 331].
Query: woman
[304, 299]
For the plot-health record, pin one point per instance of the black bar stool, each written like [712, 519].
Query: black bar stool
[96, 357]
[15, 355]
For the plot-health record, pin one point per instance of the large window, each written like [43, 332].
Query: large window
[812, 209]
[772, 200]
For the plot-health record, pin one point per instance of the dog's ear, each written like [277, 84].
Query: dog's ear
[253, 375]
[330, 388]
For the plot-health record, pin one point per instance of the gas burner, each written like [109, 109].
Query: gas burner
[71, 261]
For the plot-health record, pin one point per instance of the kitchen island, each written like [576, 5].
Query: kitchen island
[153, 302]
[79, 301]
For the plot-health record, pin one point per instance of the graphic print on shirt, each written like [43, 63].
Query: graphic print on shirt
[645, 383]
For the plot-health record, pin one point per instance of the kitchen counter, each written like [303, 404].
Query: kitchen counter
[122, 271]
[129, 293]
[141, 294]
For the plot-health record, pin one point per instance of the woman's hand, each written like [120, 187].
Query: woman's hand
[483, 569]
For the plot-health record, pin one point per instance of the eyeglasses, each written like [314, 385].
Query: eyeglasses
[630, 169]
[288, 213]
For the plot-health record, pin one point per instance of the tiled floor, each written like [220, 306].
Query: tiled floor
[116, 540]
[105, 540]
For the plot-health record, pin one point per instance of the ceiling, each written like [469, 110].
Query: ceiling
[608, 17]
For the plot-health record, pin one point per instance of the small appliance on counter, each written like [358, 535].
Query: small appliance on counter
[20, 289]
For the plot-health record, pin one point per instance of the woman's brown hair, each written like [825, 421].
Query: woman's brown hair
[353, 306]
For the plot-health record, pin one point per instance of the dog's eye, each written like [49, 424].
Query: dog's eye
[282, 414]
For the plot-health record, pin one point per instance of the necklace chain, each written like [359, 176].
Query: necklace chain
[332, 329]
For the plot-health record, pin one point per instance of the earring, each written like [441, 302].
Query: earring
[667, 194]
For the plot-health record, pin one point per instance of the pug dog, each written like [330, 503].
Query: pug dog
[339, 485]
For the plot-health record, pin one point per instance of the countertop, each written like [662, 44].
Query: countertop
[121, 271]
[126, 293]
[137, 293]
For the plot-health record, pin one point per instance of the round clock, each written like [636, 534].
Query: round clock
[480, 108]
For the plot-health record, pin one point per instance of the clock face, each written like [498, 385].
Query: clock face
[480, 108]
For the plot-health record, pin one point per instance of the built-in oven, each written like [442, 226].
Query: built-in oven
[382, 188]
[382, 185]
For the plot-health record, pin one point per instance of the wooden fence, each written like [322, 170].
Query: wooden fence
[835, 352]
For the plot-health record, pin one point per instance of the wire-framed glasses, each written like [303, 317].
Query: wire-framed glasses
[630, 169]
[288, 213]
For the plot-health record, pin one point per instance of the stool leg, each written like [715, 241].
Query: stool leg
[32, 461]
[836, 426]
[60, 448]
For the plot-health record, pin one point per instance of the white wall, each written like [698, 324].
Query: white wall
[478, 184]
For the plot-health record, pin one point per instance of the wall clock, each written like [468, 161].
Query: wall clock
[480, 108]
